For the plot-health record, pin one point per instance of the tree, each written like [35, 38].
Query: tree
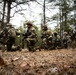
[4, 5]
[44, 12]
[66, 7]
[11, 4]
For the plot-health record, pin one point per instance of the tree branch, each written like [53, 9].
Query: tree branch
[41, 4]
[17, 12]
[19, 4]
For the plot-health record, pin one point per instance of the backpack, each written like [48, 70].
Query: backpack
[12, 33]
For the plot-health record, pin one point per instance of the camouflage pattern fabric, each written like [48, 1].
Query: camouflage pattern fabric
[65, 40]
[4, 35]
[31, 38]
[56, 40]
[46, 38]
[11, 38]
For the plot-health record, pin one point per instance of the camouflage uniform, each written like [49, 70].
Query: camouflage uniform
[46, 37]
[30, 36]
[56, 40]
[4, 35]
[73, 38]
[11, 37]
[65, 40]
[23, 38]
[7, 36]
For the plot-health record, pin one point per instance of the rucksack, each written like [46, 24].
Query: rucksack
[12, 32]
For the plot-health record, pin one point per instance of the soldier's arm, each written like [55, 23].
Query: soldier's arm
[33, 34]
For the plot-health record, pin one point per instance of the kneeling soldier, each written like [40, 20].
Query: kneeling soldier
[30, 36]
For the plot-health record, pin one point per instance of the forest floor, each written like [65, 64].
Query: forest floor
[44, 62]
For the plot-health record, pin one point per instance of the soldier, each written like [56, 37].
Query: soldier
[7, 36]
[45, 36]
[23, 39]
[56, 40]
[4, 37]
[73, 38]
[11, 37]
[65, 39]
[30, 36]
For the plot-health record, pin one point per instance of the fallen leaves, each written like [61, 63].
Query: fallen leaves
[2, 62]
[55, 62]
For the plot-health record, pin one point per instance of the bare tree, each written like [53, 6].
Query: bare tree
[4, 5]
[9, 5]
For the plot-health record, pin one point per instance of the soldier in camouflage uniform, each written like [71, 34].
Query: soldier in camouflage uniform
[73, 38]
[11, 37]
[56, 40]
[7, 37]
[65, 40]
[4, 35]
[3, 38]
[46, 37]
[30, 36]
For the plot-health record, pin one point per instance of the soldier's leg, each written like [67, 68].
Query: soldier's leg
[9, 47]
[28, 44]
[29, 47]
[23, 44]
[66, 44]
[74, 44]
[33, 42]
[55, 44]
[45, 44]
[49, 44]
[10, 42]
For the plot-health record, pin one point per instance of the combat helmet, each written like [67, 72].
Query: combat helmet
[44, 27]
[65, 33]
[55, 33]
[49, 32]
[9, 25]
[29, 23]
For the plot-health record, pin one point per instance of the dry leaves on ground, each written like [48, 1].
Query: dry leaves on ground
[51, 62]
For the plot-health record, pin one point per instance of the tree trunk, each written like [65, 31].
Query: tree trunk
[65, 21]
[65, 15]
[2, 23]
[75, 14]
[61, 23]
[44, 13]
[8, 11]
